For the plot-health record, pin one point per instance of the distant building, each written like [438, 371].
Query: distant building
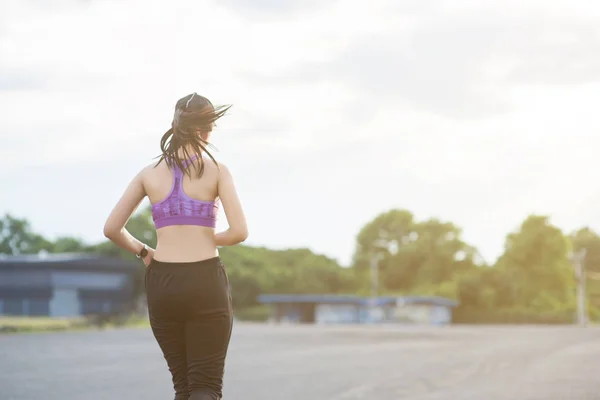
[332, 309]
[65, 285]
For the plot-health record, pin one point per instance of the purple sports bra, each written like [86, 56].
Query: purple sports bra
[180, 209]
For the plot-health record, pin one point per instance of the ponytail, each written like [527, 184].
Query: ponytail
[184, 134]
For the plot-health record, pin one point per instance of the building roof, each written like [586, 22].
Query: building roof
[352, 299]
[66, 261]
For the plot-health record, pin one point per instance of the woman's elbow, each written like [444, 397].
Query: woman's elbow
[110, 232]
[241, 234]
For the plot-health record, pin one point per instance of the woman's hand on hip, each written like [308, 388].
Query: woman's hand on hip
[149, 257]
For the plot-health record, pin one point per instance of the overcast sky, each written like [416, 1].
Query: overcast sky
[475, 112]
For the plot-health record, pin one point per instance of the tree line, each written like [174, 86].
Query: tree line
[533, 281]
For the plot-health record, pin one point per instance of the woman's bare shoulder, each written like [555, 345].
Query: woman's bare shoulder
[150, 171]
[222, 168]
[212, 168]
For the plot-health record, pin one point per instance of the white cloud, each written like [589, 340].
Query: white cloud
[479, 113]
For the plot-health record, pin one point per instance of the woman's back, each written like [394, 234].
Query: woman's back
[183, 242]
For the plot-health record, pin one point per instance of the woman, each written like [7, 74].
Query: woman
[187, 288]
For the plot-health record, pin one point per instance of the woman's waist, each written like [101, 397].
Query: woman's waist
[185, 251]
[185, 236]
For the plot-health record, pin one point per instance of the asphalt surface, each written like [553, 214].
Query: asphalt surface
[318, 363]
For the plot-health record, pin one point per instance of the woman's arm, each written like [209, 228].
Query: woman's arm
[114, 228]
[238, 230]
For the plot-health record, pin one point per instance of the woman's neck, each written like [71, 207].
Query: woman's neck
[190, 152]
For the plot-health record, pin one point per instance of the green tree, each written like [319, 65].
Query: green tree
[444, 254]
[67, 244]
[536, 261]
[256, 270]
[413, 255]
[485, 289]
[17, 237]
[389, 236]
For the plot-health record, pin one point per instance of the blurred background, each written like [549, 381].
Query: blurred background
[403, 164]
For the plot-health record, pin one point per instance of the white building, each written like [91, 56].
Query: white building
[341, 309]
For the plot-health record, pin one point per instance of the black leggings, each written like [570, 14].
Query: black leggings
[191, 317]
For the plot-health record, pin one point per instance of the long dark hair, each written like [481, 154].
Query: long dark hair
[192, 113]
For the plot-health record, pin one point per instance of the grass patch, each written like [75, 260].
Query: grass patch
[258, 313]
[136, 321]
[40, 324]
[49, 324]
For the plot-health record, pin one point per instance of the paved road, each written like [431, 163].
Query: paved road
[317, 363]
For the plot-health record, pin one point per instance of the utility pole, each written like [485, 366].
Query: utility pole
[374, 282]
[380, 248]
[578, 260]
